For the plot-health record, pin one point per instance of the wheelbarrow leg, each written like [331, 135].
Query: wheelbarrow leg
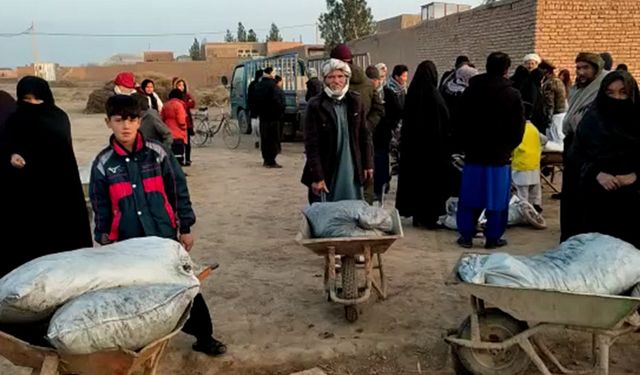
[550, 356]
[330, 275]
[604, 344]
[526, 345]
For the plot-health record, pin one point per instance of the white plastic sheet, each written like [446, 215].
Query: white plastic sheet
[119, 318]
[35, 290]
[587, 263]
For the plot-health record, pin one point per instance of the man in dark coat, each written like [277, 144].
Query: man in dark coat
[394, 97]
[270, 108]
[371, 102]
[314, 85]
[492, 128]
[337, 139]
[252, 103]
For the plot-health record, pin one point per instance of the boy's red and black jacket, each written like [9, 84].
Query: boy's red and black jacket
[139, 193]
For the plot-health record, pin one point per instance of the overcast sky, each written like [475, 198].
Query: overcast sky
[157, 16]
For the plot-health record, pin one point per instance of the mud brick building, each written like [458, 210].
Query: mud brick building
[556, 29]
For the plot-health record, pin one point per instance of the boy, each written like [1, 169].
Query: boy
[138, 189]
[525, 165]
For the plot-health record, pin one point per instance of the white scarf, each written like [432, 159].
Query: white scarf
[337, 94]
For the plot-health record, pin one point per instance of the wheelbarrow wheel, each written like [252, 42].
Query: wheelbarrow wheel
[495, 326]
[349, 286]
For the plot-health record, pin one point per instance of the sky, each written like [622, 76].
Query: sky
[295, 18]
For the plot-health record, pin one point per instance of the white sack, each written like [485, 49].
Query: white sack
[36, 289]
[586, 263]
[119, 318]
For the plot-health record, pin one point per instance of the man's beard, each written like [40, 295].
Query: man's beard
[583, 83]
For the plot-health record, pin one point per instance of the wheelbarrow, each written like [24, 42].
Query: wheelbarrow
[348, 249]
[502, 335]
[47, 361]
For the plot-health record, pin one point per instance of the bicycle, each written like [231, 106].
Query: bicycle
[204, 131]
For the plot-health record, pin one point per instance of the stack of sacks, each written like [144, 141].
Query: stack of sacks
[121, 296]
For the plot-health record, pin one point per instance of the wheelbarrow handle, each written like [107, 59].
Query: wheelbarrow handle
[207, 271]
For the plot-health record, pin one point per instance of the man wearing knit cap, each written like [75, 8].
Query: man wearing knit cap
[589, 75]
[371, 101]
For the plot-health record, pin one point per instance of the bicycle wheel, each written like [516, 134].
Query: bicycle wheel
[231, 134]
[201, 133]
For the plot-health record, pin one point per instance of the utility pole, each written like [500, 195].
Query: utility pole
[34, 43]
[317, 34]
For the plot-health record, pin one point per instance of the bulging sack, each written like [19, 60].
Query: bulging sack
[587, 263]
[351, 218]
[33, 291]
[119, 318]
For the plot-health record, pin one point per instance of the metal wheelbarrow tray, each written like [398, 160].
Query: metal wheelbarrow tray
[349, 248]
[503, 339]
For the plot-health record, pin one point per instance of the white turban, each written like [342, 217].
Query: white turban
[532, 56]
[330, 66]
[335, 64]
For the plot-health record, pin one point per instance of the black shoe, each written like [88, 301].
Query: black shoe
[210, 347]
[274, 165]
[464, 243]
[495, 244]
[187, 163]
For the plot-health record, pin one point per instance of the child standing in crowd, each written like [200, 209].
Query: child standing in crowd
[525, 165]
[148, 187]
[174, 114]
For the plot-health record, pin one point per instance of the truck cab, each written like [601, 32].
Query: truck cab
[291, 69]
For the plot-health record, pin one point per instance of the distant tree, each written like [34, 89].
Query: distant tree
[229, 38]
[274, 34]
[195, 51]
[345, 20]
[242, 33]
[251, 36]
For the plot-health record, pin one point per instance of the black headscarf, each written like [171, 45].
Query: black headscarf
[608, 137]
[152, 97]
[423, 147]
[37, 87]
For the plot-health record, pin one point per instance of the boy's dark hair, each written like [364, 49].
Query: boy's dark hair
[268, 70]
[608, 60]
[124, 106]
[372, 72]
[278, 79]
[176, 94]
[460, 60]
[259, 74]
[623, 67]
[498, 63]
[142, 100]
[398, 70]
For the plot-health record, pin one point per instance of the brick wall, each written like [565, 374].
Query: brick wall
[566, 27]
[507, 26]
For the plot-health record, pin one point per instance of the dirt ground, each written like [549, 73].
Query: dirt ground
[267, 296]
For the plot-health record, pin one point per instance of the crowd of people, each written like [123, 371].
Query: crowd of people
[500, 123]
[357, 120]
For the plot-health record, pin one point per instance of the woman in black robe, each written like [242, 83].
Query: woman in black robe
[425, 167]
[607, 151]
[43, 203]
